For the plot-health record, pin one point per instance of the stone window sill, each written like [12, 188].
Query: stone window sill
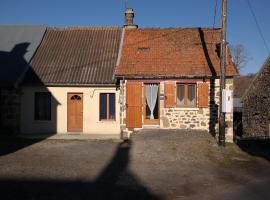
[187, 109]
[107, 121]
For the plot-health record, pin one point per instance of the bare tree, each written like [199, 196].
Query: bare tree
[239, 55]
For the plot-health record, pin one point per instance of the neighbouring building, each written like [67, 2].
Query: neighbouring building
[18, 45]
[70, 85]
[169, 78]
[240, 84]
[256, 105]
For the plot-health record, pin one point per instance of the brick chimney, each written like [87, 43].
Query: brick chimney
[129, 16]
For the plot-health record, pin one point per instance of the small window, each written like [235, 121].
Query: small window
[186, 95]
[42, 106]
[76, 97]
[143, 49]
[107, 106]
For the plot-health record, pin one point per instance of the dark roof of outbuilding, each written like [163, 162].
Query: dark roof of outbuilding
[18, 44]
[171, 52]
[241, 84]
[76, 56]
[260, 79]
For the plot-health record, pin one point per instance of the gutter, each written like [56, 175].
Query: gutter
[168, 76]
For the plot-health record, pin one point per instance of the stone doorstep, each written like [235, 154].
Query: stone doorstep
[71, 136]
[151, 127]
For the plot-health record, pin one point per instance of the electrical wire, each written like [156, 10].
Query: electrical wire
[214, 20]
[215, 14]
[258, 26]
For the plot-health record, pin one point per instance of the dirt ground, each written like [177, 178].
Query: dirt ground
[154, 164]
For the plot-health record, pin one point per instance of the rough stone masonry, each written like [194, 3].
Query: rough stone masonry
[256, 105]
[199, 118]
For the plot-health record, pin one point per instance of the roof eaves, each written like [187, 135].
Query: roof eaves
[73, 84]
[163, 76]
[171, 76]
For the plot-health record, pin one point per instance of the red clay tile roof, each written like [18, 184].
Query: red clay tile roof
[76, 55]
[171, 52]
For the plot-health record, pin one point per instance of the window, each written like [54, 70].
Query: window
[107, 106]
[42, 106]
[186, 95]
[143, 49]
[75, 97]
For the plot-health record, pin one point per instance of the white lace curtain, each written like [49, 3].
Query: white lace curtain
[151, 97]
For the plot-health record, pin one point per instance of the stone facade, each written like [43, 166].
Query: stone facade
[256, 105]
[10, 110]
[195, 118]
[185, 119]
[200, 118]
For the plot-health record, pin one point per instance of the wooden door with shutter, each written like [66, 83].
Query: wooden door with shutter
[75, 112]
[134, 105]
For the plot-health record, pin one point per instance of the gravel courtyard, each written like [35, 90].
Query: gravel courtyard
[154, 164]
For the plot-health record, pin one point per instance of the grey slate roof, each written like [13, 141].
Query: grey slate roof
[18, 44]
[76, 56]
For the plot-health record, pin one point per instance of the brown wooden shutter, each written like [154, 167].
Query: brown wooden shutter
[203, 94]
[169, 91]
[134, 105]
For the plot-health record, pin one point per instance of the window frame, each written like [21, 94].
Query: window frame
[186, 105]
[36, 107]
[107, 106]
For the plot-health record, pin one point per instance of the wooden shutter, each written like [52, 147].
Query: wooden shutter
[134, 105]
[169, 91]
[203, 94]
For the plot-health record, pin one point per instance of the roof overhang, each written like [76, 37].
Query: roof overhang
[167, 76]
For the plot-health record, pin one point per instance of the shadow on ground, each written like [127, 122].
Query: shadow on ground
[259, 148]
[13, 144]
[115, 182]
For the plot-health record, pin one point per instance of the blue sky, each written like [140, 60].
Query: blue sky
[150, 13]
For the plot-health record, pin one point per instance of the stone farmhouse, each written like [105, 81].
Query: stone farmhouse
[113, 80]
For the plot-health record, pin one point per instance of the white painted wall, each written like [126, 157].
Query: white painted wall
[58, 123]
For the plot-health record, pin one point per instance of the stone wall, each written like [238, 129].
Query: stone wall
[10, 110]
[194, 118]
[185, 119]
[199, 118]
[256, 105]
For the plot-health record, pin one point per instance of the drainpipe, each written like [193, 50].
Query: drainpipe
[122, 104]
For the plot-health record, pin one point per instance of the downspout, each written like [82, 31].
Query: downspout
[122, 105]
